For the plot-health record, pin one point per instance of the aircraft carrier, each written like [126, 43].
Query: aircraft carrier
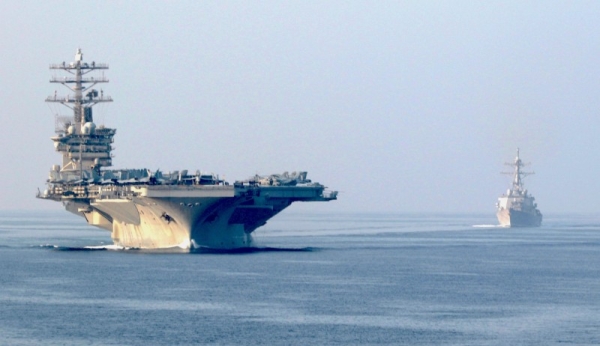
[153, 209]
[517, 208]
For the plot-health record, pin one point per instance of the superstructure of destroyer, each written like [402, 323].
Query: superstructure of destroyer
[517, 208]
[153, 209]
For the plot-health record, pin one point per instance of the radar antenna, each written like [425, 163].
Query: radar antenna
[518, 174]
[80, 104]
[84, 148]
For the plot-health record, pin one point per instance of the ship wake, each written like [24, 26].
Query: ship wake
[248, 250]
[200, 250]
[75, 248]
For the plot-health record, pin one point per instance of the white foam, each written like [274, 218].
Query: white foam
[105, 247]
[186, 244]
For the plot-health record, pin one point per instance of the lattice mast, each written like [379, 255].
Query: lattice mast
[83, 146]
[518, 174]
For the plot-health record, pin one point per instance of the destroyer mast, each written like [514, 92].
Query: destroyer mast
[517, 208]
[152, 209]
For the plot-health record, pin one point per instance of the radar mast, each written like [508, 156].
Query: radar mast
[518, 174]
[83, 147]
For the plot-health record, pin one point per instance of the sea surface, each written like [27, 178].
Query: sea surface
[313, 279]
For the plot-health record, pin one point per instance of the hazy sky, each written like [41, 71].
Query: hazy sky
[405, 106]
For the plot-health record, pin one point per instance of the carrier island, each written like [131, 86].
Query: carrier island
[153, 209]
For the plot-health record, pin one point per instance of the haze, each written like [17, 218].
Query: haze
[406, 106]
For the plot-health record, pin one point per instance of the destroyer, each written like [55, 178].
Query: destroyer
[517, 208]
[153, 209]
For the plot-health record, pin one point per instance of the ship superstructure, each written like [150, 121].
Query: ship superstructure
[517, 208]
[153, 209]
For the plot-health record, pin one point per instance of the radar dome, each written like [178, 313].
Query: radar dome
[70, 130]
[88, 128]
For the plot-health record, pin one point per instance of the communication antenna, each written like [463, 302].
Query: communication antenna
[518, 174]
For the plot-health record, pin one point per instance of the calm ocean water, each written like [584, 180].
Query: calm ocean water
[413, 279]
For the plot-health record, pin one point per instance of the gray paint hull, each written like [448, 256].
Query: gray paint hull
[517, 218]
[169, 217]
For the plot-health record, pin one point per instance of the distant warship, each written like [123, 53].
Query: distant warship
[517, 208]
[154, 209]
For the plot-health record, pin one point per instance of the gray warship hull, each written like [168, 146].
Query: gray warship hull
[517, 218]
[188, 217]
